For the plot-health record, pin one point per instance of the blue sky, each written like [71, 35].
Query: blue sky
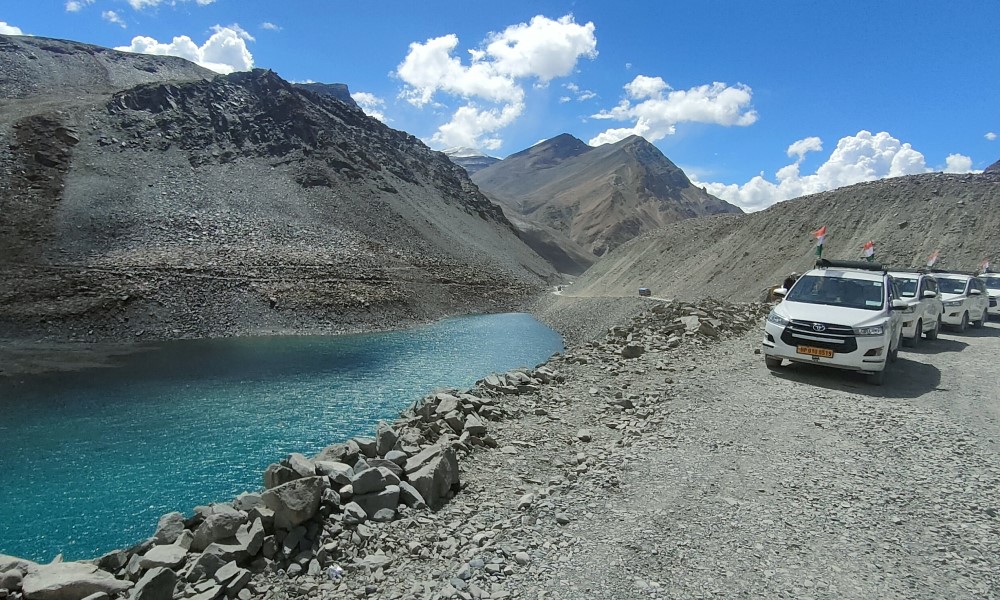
[758, 101]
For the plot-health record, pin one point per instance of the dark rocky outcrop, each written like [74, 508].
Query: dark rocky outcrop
[339, 91]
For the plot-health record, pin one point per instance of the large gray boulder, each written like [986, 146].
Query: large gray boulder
[157, 584]
[302, 466]
[385, 438]
[276, 475]
[434, 473]
[338, 472]
[70, 581]
[169, 528]
[23, 565]
[386, 499]
[252, 537]
[295, 502]
[167, 555]
[11, 579]
[218, 526]
[344, 453]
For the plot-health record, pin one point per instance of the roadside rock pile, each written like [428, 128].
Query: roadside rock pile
[670, 325]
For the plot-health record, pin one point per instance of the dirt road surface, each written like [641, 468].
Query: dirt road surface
[697, 473]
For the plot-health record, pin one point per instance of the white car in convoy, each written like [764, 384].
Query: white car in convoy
[992, 283]
[842, 314]
[965, 300]
[922, 315]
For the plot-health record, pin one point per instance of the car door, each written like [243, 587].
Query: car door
[924, 305]
[895, 316]
[934, 305]
[982, 300]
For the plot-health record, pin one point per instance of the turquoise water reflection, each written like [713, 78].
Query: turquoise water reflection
[90, 460]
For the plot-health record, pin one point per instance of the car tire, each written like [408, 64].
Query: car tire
[772, 363]
[965, 322]
[894, 353]
[979, 322]
[876, 378]
[933, 333]
[915, 340]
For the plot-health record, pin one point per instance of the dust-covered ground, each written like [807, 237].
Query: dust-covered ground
[695, 472]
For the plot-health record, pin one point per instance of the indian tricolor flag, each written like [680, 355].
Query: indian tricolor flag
[984, 267]
[933, 258]
[869, 250]
[820, 235]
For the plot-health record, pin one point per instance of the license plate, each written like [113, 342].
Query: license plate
[825, 353]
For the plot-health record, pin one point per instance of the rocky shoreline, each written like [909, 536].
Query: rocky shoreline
[351, 519]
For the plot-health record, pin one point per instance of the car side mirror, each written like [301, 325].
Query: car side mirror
[974, 292]
[898, 304]
[930, 294]
[780, 292]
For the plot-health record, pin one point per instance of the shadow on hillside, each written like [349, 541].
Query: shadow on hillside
[905, 379]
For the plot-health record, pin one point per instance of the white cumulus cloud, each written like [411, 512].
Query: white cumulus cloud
[225, 50]
[492, 83]
[371, 104]
[77, 5]
[990, 136]
[958, 163]
[141, 4]
[6, 29]
[270, 26]
[112, 17]
[857, 158]
[655, 108]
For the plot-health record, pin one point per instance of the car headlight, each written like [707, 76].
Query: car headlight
[953, 303]
[773, 317]
[911, 308]
[870, 330]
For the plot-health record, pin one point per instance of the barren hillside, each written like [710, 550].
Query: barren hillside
[595, 199]
[736, 257]
[232, 205]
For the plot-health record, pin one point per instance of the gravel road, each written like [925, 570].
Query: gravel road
[697, 473]
[810, 483]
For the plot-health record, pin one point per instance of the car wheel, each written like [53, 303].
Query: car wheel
[772, 363]
[965, 322]
[933, 333]
[894, 352]
[913, 341]
[979, 322]
[876, 378]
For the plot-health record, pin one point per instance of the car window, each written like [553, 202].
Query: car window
[906, 286]
[839, 291]
[931, 284]
[992, 281]
[951, 286]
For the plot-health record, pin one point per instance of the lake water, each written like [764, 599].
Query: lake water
[91, 459]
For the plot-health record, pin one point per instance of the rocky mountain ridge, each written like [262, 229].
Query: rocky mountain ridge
[735, 257]
[470, 159]
[235, 204]
[596, 197]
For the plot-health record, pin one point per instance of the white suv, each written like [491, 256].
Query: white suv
[843, 314]
[965, 299]
[992, 283]
[922, 315]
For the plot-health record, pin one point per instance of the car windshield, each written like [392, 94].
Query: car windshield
[838, 291]
[906, 286]
[951, 286]
[992, 282]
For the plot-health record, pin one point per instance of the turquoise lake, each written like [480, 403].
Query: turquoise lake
[89, 460]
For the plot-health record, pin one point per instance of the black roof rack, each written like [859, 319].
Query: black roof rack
[824, 263]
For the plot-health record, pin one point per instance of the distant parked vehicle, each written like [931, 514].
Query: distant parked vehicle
[922, 315]
[645, 292]
[992, 283]
[965, 299]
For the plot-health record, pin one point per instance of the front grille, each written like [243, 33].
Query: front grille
[993, 302]
[838, 338]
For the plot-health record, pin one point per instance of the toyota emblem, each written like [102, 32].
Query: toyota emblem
[819, 327]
